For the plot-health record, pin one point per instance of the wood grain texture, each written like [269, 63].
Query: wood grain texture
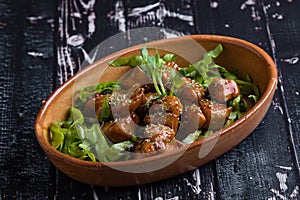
[43, 43]
[26, 79]
[261, 154]
[282, 22]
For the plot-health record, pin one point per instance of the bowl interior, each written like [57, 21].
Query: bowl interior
[237, 54]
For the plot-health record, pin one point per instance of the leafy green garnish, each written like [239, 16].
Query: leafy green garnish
[85, 143]
[101, 88]
[106, 112]
[203, 71]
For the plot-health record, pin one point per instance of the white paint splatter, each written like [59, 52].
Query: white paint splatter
[211, 193]
[297, 93]
[277, 106]
[171, 34]
[139, 194]
[257, 28]
[35, 54]
[290, 1]
[158, 12]
[214, 4]
[277, 193]
[34, 19]
[75, 40]
[227, 25]
[161, 198]
[196, 188]
[277, 3]
[272, 198]
[254, 14]
[284, 167]
[95, 196]
[292, 61]
[282, 181]
[88, 58]
[91, 24]
[247, 3]
[118, 16]
[89, 5]
[277, 16]
[76, 15]
[139, 10]
[295, 193]
[266, 7]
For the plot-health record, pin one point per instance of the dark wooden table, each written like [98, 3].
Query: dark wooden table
[39, 50]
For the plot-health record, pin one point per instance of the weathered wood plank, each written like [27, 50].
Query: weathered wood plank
[175, 15]
[26, 79]
[252, 169]
[284, 25]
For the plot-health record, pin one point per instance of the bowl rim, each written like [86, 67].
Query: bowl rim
[271, 87]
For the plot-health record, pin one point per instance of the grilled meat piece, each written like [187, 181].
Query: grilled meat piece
[223, 90]
[215, 114]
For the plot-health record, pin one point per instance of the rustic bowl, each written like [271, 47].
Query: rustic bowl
[237, 54]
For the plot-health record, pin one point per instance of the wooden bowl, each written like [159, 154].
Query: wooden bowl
[237, 54]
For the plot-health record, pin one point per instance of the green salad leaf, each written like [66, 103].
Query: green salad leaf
[101, 88]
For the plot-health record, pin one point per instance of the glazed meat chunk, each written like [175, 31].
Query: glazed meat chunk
[222, 90]
[216, 114]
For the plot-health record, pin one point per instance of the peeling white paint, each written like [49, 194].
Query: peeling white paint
[277, 193]
[247, 3]
[255, 14]
[282, 181]
[277, 16]
[214, 4]
[75, 40]
[292, 61]
[195, 188]
[277, 3]
[139, 10]
[277, 106]
[95, 196]
[118, 16]
[156, 11]
[171, 34]
[284, 167]
[35, 54]
[295, 193]
[161, 198]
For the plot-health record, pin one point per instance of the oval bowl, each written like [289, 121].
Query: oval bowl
[237, 54]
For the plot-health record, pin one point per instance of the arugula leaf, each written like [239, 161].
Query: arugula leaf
[153, 66]
[57, 140]
[248, 88]
[106, 112]
[192, 137]
[169, 57]
[118, 151]
[101, 88]
[203, 71]
[76, 116]
[121, 61]
[176, 80]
